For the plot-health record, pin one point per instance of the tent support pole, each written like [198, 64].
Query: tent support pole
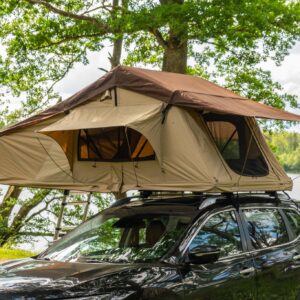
[61, 214]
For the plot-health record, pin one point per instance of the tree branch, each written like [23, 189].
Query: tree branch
[159, 37]
[71, 15]
[68, 39]
[33, 233]
[106, 7]
[17, 222]
[68, 67]
[42, 209]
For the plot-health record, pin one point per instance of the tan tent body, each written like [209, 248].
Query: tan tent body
[147, 130]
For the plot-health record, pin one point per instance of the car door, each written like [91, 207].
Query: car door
[269, 241]
[232, 275]
[293, 222]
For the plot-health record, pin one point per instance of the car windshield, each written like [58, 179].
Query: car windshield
[121, 235]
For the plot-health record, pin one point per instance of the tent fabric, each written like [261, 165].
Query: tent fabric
[89, 117]
[231, 105]
[175, 89]
[186, 155]
[28, 158]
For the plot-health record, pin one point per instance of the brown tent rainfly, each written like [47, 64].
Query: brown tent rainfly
[146, 130]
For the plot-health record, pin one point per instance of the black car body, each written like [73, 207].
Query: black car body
[242, 246]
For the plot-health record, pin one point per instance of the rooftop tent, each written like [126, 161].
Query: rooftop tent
[141, 129]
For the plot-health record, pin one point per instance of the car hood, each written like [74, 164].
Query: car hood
[40, 279]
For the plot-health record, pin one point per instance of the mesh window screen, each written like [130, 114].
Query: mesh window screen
[114, 144]
[237, 145]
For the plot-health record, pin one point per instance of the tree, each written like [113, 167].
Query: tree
[35, 214]
[224, 41]
[286, 147]
[221, 40]
[29, 221]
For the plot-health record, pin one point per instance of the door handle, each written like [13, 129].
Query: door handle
[296, 257]
[247, 272]
[267, 264]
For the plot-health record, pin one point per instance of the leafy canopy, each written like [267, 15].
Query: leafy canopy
[286, 147]
[227, 42]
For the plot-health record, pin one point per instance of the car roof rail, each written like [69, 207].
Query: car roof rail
[148, 196]
[274, 194]
[288, 196]
[124, 201]
[234, 198]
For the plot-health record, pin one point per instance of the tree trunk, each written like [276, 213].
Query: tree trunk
[8, 203]
[13, 192]
[115, 59]
[175, 46]
[9, 233]
[175, 59]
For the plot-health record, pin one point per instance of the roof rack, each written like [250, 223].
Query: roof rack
[234, 197]
[155, 195]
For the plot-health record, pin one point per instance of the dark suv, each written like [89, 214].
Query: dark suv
[227, 246]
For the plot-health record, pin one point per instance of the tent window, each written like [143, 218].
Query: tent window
[114, 144]
[237, 145]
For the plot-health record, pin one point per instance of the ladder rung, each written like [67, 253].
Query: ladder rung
[76, 203]
[61, 231]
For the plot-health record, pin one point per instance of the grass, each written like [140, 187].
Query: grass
[6, 253]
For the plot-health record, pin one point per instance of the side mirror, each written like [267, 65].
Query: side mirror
[204, 254]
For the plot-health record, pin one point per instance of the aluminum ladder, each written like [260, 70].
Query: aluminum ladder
[61, 230]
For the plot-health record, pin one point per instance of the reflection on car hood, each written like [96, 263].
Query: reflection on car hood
[52, 279]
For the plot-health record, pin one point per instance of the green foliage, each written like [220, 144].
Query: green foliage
[41, 41]
[34, 214]
[148, 51]
[286, 147]
[229, 40]
[7, 253]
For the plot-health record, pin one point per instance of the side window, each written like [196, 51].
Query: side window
[226, 137]
[237, 145]
[222, 231]
[113, 144]
[266, 227]
[294, 220]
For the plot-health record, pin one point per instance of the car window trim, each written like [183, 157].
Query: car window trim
[293, 233]
[256, 251]
[242, 234]
[287, 225]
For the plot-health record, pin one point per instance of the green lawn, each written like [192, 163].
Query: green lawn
[6, 253]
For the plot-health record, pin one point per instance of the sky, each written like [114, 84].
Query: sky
[288, 74]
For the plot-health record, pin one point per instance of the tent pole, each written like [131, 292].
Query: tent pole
[61, 214]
